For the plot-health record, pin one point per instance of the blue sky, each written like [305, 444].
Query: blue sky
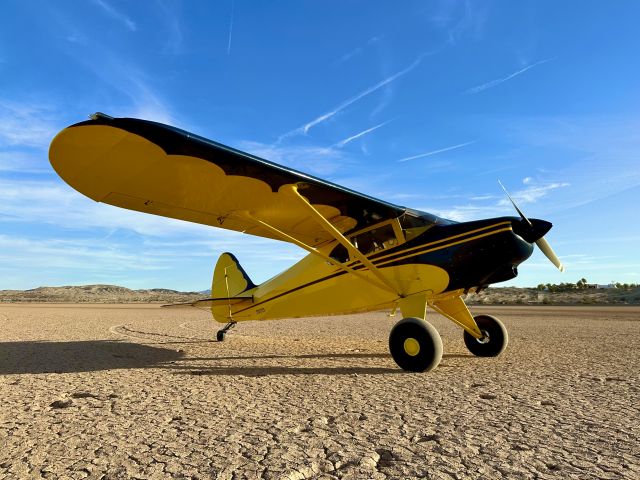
[424, 104]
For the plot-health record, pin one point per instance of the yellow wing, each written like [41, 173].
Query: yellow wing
[158, 169]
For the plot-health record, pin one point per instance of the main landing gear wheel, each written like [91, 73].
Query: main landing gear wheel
[495, 338]
[415, 345]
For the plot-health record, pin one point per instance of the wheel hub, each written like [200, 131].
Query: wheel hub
[485, 337]
[411, 347]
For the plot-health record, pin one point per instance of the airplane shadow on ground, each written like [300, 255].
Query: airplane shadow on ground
[31, 357]
[80, 356]
[259, 371]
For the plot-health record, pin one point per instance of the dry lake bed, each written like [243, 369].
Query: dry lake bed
[136, 391]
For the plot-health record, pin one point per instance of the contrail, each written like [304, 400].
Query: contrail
[342, 143]
[433, 152]
[498, 81]
[322, 118]
[230, 27]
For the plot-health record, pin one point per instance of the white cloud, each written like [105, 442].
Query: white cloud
[116, 15]
[34, 254]
[145, 101]
[51, 202]
[128, 79]
[321, 161]
[27, 124]
[123, 244]
[24, 162]
[458, 19]
[171, 18]
[532, 193]
[475, 211]
[465, 213]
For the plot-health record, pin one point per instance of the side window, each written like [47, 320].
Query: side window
[375, 240]
[368, 242]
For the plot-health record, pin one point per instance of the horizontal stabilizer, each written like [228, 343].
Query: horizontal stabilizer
[212, 302]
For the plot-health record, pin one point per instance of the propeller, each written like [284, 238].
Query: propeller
[542, 244]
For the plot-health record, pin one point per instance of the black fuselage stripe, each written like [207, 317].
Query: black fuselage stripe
[458, 239]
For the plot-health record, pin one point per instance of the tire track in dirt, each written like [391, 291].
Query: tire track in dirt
[186, 326]
[125, 331]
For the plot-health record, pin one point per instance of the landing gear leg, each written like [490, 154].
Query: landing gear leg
[222, 332]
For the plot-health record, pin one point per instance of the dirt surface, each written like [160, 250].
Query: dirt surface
[135, 391]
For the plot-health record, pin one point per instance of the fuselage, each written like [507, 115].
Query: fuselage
[443, 257]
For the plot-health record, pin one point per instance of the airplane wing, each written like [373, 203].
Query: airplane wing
[158, 169]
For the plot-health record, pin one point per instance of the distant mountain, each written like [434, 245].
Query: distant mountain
[98, 294]
[490, 296]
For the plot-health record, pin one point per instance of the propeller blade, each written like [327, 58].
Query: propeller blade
[514, 204]
[544, 246]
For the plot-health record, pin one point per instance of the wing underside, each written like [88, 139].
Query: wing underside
[158, 169]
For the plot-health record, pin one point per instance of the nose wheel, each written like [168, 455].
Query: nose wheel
[494, 341]
[415, 345]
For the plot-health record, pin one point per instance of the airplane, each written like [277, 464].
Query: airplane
[365, 254]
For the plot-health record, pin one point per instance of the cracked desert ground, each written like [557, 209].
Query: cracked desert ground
[136, 391]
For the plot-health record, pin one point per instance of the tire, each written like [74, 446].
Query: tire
[415, 345]
[220, 336]
[496, 339]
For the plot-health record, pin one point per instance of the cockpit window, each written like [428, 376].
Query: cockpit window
[389, 234]
[375, 239]
[369, 241]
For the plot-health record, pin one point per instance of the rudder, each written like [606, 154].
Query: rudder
[229, 278]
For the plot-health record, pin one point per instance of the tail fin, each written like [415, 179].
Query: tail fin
[231, 288]
[229, 278]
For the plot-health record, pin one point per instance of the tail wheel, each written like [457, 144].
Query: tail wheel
[415, 345]
[495, 338]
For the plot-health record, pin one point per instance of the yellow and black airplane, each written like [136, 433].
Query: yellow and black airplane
[364, 254]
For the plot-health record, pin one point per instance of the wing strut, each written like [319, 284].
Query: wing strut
[310, 249]
[335, 233]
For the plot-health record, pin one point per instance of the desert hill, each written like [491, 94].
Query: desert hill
[98, 294]
[534, 296]
[490, 296]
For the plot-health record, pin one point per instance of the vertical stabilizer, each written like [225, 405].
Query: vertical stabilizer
[229, 278]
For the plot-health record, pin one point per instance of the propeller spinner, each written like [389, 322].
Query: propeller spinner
[542, 244]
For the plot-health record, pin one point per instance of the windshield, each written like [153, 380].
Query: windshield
[415, 223]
